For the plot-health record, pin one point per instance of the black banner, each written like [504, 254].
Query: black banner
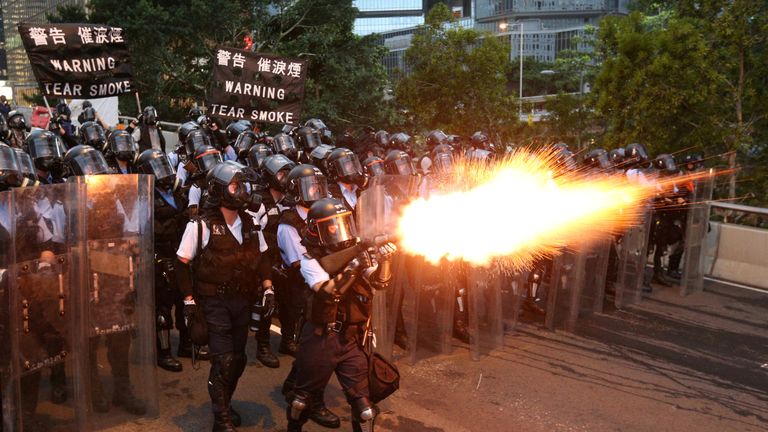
[259, 87]
[82, 61]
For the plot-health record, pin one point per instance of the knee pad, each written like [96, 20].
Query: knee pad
[363, 415]
[164, 319]
[297, 408]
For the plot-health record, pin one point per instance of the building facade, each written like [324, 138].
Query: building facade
[20, 76]
[547, 27]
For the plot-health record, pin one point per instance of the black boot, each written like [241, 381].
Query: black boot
[289, 347]
[164, 358]
[123, 397]
[118, 353]
[320, 414]
[460, 331]
[265, 355]
[219, 379]
[99, 399]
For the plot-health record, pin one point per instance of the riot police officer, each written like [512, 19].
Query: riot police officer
[284, 144]
[121, 152]
[223, 250]
[305, 185]
[47, 151]
[170, 220]
[18, 128]
[347, 176]
[341, 302]
[146, 131]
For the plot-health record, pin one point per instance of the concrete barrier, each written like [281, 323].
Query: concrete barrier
[737, 253]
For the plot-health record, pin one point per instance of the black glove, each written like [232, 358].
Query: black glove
[190, 309]
[359, 263]
[386, 251]
[269, 302]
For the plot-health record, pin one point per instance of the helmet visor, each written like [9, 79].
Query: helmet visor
[196, 140]
[311, 140]
[26, 165]
[244, 142]
[208, 160]
[90, 163]
[337, 229]
[443, 162]
[159, 167]
[403, 166]
[257, 156]
[284, 144]
[376, 168]
[348, 165]
[313, 188]
[46, 146]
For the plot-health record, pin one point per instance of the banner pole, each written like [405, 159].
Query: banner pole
[50, 112]
[138, 102]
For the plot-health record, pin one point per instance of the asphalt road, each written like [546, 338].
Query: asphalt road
[697, 363]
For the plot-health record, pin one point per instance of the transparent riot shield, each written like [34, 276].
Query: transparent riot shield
[6, 246]
[119, 306]
[513, 294]
[632, 251]
[45, 364]
[486, 328]
[594, 258]
[428, 307]
[696, 228]
[563, 290]
[377, 210]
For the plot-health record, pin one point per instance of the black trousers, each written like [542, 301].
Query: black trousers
[292, 298]
[227, 316]
[321, 354]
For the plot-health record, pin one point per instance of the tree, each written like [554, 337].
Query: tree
[655, 85]
[457, 79]
[172, 44]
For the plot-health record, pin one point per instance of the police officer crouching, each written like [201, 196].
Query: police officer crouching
[337, 313]
[224, 251]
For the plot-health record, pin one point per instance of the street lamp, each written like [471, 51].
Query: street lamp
[503, 27]
[547, 73]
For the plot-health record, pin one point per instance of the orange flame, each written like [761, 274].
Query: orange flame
[519, 208]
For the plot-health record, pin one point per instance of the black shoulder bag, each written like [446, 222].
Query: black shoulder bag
[383, 376]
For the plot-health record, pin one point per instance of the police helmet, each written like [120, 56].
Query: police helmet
[26, 165]
[235, 129]
[400, 141]
[665, 163]
[62, 109]
[194, 113]
[88, 114]
[185, 129]
[85, 160]
[319, 156]
[693, 161]
[308, 138]
[195, 139]
[479, 139]
[381, 138]
[257, 154]
[344, 166]
[207, 157]
[597, 159]
[305, 184]
[149, 116]
[616, 156]
[244, 142]
[283, 143]
[332, 223]
[325, 134]
[46, 149]
[92, 134]
[16, 120]
[155, 162]
[435, 138]
[636, 154]
[10, 171]
[373, 166]
[398, 162]
[122, 146]
[228, 187]
[277, 168]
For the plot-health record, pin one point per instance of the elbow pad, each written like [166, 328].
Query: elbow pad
[336, 287]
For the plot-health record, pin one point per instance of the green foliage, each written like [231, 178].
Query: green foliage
[457, 80]
[68, 13]
[172, 45]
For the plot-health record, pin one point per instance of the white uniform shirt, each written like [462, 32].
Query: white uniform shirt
[154, 136]
[188, 246]
[51, 214]
[313, 272]
[289, 241]
[350, 196]
[181, 173]
[230, 153]
[195, 193]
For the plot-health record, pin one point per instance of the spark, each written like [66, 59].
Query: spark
[520, 208]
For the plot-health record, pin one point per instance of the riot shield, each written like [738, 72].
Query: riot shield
[594, 258]
[696, 228]
[632, 251]
[119, 305]
[44, 368]
[377, 210]
[486, 328]
[513, 295]
[563, 290]
[428, 307]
